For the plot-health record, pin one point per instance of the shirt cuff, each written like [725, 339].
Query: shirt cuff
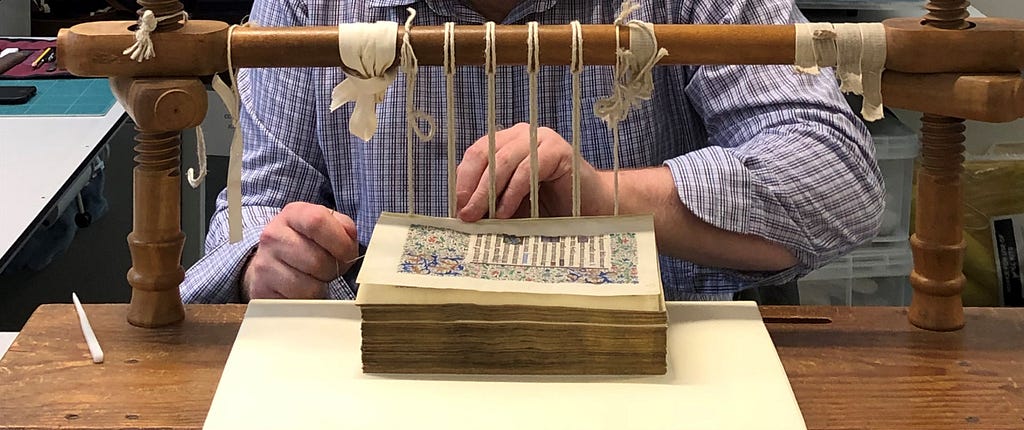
[215, 277]
[718, 188]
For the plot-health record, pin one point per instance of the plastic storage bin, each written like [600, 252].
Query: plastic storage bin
[875, 275]
[896, 147]
[858, 4]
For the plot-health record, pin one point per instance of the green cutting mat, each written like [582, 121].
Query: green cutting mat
[62, 97]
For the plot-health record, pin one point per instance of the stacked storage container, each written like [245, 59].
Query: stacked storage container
[857, 5]
[878, 273]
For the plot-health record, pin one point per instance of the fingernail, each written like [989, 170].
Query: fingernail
[465, 215]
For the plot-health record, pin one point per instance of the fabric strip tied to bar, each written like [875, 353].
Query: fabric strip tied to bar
[857, 51]
[367, 52]
[232, 101]
[633, 80]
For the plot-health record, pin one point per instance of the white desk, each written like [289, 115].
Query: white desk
[39, 156]
[6, 338]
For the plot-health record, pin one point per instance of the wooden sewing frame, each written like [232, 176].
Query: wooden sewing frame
[946, 65]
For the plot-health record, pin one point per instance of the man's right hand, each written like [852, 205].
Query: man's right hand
[302, 249]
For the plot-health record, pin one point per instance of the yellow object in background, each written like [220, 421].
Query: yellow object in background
[982, 287]
[993, 186]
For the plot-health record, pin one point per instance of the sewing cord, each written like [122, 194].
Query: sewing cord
[193, 180]
[449, 75]
[576, 67]
[620, 72]
[532, 67]
[489, 65]
[409, 66]
[632, 81]
[143, 48]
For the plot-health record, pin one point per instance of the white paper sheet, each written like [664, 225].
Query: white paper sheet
[296, 364]
[386, 250]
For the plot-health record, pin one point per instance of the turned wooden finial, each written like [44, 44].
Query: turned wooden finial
[947, 14]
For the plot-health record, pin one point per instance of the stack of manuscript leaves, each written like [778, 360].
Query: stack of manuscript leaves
[567, 296]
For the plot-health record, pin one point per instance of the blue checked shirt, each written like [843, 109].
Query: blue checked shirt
[753, 149]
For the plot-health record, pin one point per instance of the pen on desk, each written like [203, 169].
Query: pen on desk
[42, 58]
[51, 59]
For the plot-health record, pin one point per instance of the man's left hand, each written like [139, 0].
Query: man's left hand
[512, 172]
[651, 190]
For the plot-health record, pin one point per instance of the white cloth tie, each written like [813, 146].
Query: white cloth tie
[367, 52]
[233, 102]
[813, 43]
[858, 53]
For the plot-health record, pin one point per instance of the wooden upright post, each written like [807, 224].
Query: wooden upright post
[938, 243]
[161, 108]
[156, 240]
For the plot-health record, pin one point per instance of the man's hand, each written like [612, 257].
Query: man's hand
[512, 171]
[651, 190]
[302, 249]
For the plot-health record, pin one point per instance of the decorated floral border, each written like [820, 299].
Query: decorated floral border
[441, 252]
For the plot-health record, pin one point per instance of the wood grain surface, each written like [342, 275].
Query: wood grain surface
[151, 378]
[850, 368]
[870, 369]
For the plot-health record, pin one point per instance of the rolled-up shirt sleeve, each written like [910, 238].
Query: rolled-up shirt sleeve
[787, 161]
[282, 163]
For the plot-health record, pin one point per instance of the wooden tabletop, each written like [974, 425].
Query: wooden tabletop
[851, 368]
